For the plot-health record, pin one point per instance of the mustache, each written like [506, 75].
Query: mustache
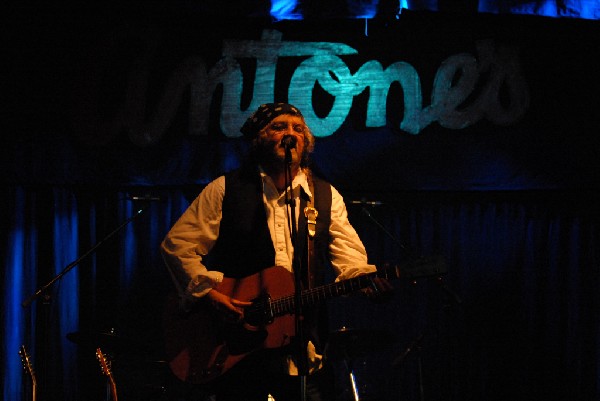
[288, 142]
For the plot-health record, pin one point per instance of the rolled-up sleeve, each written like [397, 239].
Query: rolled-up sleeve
[348, 254]
[191, 238]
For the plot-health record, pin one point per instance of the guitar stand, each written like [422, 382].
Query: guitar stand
[414, 347]
[349, 345]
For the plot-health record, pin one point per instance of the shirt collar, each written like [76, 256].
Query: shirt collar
[299, 180]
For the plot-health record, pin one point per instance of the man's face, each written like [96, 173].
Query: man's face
[275, 131]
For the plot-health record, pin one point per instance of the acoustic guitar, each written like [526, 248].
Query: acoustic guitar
[200, 346]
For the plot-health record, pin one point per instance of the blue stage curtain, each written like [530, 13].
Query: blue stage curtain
[516, 317]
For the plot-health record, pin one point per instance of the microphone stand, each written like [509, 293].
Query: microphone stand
[416, 345]
[302, 359]
[410, 252]
[43, 290]
[71, 265]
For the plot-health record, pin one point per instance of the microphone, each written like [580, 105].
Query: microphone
[143, 198]
[288, 142]
[365, 202]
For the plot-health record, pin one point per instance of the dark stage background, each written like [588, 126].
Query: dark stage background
[484, 150]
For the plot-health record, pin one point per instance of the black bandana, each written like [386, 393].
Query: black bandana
[264, 115]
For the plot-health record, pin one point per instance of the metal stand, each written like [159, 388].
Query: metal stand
[350, 369]
[302, 357]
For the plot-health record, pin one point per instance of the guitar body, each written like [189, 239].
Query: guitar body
[198, 343]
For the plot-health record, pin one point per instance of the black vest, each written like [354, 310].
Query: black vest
[244, 246]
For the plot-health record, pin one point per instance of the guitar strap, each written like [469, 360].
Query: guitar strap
[311, 228]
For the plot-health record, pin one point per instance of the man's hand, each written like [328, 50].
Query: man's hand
[380, 289]
[240, 336]
[231, 308]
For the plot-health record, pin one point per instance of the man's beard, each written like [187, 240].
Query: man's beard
[271, 156]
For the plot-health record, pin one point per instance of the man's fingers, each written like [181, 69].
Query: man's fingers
[239, 303]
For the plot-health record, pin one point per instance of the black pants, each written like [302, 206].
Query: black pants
[264, 372]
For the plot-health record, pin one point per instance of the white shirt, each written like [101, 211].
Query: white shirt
[195, 233]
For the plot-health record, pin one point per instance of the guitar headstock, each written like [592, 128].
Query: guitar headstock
[427, 266]
[27, 364]
[105, 363]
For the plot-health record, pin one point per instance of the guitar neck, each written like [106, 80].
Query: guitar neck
[424, 267]
[113, 389]
[314, 296]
